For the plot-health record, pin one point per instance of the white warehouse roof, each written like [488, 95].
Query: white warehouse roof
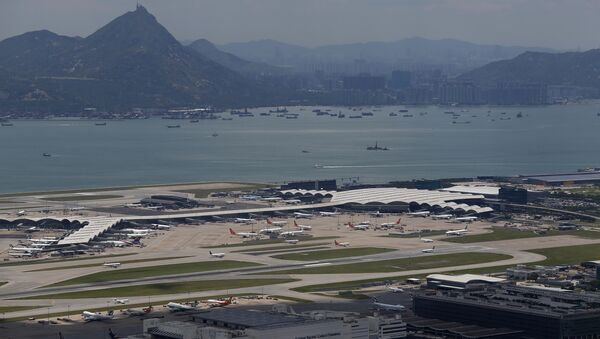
[387, 195]
[464, 278]
[484, 190]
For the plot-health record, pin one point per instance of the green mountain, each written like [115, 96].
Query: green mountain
[131, 62]
[572, 68]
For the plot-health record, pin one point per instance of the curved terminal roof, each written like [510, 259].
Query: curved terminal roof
[464, 278]
[95, 227]
[390, 195]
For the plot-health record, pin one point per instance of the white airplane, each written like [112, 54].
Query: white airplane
[302, 215]
[277, 223]
[243, 234]
[245, 220]
[391, 224]
[270, 230]
[359, 227]
[292, 201]
[290, 233]
[112, 264]
[120, 301]
[20, 254]
[31, 229]
[394, 289]
[428, 250]
[342, 244]
[90, 316]
[218, 302]
[143, 311]
[216, 255]
[376, 214]
[26, 249]
[425, 239]
[292, 241]
[136, 235]
[441, 216]
[419, 214]
[136, 230]
[389, 307]
[274, 199]
[73, 209]
[43, 241]
[302, 227]
[116, 243]
[465, 219]
[21, 213]
[458, 232]
[177, 307]
[162, 227]
[328, 214]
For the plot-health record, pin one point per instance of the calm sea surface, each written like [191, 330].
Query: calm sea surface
[545, 140]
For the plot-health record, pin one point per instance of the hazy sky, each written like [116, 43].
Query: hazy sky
[562, 24]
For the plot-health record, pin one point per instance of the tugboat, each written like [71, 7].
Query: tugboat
[100, 124]
[392, 114]
[194, 121]
[215, 134]
[47, 155]
[519, 115]
[376, 148]
[318, 166]
[7, 124]
[173, 126]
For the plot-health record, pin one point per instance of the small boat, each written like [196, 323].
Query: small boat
[100, 124]
[318, 166]
[47, 155]
[519, 115]
[403, 110]
[215, 134]
[194, 121]
[291, 117]
[341, 115]
[407, 115]
[305, 151]
[377, 148]
[265, 114]
[227, 119]
[355, 117]
[366, 114]
[7, 124]
[173, 126]
[392, 114]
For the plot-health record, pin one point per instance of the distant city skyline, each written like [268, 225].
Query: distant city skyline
[566, 25]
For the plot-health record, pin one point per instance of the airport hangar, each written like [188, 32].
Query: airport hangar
[385, 198]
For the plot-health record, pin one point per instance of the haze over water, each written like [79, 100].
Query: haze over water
[269, 149]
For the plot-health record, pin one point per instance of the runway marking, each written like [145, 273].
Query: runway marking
[318, 264]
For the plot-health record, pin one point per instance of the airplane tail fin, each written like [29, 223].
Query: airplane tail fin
[336, 242]
[398, 221]
[111, 312]
[269, 221]
[210, 252]
[295, 223]
[232, 232]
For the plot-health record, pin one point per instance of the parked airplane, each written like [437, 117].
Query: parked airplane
[458, 232]
[43, 240]
[25, 249]
[143, 311]
[428, 250]
[419, 214]
[219, 302]
[290, 233]
[243, 234]
[302, 227]
[394, 289]
[216, 255]
[292, 241]
[328, 214]
[136, 235]
[391, 224]
[136, 230]
[245, 220]
[465, 219]
[359, 227]
[302, 215]
[389, 307]
[441, 216]
[270, 230]
[161, 226]
[116, 243]
[20, 254]
[177, 307]
[21, 213]
[120, 301]
[112, 264]
[90, 316]
[277, 223]
[376, 214]
[272, 199]
[32, 229]
[343, 244]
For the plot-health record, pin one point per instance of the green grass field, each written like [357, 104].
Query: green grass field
[100, 264]
[568, 254]
[332, 254]
[5, 309]
[284, 247]
[164, 288]
[403, 264]
[156, 271]
[501, 233]
[83, 197]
